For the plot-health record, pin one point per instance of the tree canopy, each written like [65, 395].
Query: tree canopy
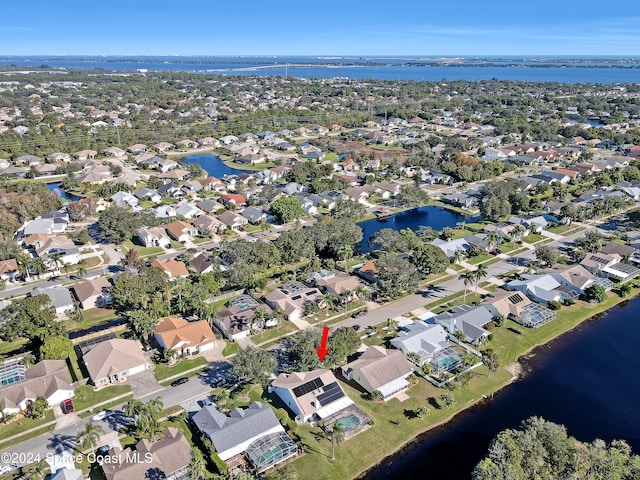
[254, 364]
[542, 450]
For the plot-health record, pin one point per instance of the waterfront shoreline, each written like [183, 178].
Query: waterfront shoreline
[516, 371]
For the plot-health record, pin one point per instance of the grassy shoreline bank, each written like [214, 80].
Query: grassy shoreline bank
[393, 426]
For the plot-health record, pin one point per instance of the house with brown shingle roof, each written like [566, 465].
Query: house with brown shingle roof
[9, 269]
[292, 297]
[49, 379]
[169, 457]
[181, 231]
[339, 284]
[93, 293]
[171, 268]
[114, 361]
[186, 338]
[176, 174]
[380, 369]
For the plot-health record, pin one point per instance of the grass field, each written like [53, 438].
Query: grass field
[162, 370]
[23, 424]
[91, 317]
[85, 397]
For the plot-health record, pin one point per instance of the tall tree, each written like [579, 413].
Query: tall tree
[90, 436]
[254, 365]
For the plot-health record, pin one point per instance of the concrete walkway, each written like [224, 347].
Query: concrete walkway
[301, 324]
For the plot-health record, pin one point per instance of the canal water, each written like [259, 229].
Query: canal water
[435, 217]
[55, 188]
[213, 165]
[586, 380]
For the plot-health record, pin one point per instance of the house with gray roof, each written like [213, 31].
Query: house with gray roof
[188, 211]
[449, 247]
[59, 297]
[542, 288]
[233, 434]
[254, 215]
[467, 319]
[422, 339]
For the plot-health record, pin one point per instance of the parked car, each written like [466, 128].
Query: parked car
[359, 314]
[179, 381]
[101, 415]
[67, 406]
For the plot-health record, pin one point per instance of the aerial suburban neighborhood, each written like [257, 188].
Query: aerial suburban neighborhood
[169, 261]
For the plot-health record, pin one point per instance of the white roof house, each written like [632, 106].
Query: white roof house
[422, 339]
[449, 247]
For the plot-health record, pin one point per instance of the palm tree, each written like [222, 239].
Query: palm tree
[422, 412]
[132, 407]
[530, 267]
[517, 233]
[66, 267]
[361, 293]
[28, 360]
[458, 256]
[56, 258]
[467, 278]
[38, 266]
[346, 252]
[82, 271]
[197, 468]
[492, 240]
[479, 273]
[331, 300]
[337, 436]
[89, 437]
[23, 266]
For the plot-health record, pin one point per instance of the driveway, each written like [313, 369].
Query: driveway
[143, 383]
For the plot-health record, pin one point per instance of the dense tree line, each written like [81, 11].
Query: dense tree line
[543, 450]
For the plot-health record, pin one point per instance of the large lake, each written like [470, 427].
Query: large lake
[213, 165]
[586, 380]
[435, 217]
[549, 69]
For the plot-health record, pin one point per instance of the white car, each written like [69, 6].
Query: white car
[101, 415]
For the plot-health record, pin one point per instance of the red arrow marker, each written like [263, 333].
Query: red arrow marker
[322, 349]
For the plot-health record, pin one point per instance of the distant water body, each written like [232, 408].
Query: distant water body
[605, 70]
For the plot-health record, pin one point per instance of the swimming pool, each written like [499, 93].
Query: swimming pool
[348, 421]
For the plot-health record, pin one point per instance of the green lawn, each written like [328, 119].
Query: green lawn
[270, 334]
[533, 238]
[91, 317]
[393, 425]
[162, 370]
[22, 424]
[230, 349]
[8, 347]
[143, 251]
[562, 229]
[480, 258]
[455, 300]
[85, 397]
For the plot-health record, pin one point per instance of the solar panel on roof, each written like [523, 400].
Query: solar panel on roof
[308, 387]
[515, 299]
[332, 392]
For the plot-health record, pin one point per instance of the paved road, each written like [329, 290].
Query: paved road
[64, 438]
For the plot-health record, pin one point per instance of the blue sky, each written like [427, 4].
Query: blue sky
[325, 27]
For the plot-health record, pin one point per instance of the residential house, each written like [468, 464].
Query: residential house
[576, 277]
[542, 288]
[93, 293]
[625, 251]
[124, 199]
[188, 211]
[167, 458]
[379, 369]
[254, 215]
[609, 266]
[183, 337]
[9, 270]
[234, 198]
[429, 342]
[175, 174]
[59, 297]
[171, 268]
[115, 152]
[311, 396]
[204, 262]
[291, 298]
[463, 200]
[165, 211]
[153, 237]
[148, 193]
[233, 220]
[467, 319]
[518, 307]
[86, 154]
[450, 247]
[237, 320]
[339, 284]
[181, 231]
[208, 225]
[209, 206]
[48, 378]
[115, 360]
[243, 432]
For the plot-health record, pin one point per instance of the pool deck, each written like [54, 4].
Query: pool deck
[363, 421]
